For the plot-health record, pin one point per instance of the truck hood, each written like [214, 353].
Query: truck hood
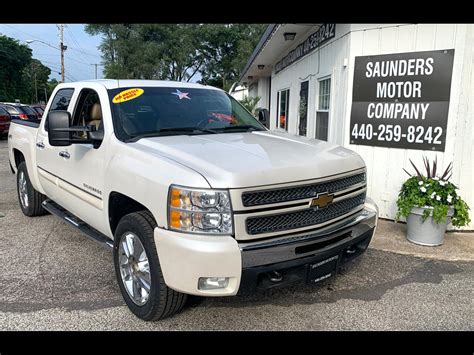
[235, 160]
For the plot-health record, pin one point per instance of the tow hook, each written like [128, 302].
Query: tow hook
[275, 276]
[351, 250]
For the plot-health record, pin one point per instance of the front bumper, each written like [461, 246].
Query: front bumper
[184, 258]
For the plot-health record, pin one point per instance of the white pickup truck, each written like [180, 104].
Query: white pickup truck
[191, 192]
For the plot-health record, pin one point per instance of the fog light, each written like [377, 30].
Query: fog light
[212, 283]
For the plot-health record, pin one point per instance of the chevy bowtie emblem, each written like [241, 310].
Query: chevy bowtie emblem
[322, 200]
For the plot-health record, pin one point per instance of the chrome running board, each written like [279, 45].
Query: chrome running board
[82, 226]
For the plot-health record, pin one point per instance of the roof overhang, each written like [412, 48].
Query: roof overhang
[271, 47]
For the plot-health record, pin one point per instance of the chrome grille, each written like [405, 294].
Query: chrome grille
[264, 197]
[303, 218]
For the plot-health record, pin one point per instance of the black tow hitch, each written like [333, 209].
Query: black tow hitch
[275, 276]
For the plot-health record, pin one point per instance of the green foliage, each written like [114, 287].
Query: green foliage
[17, 72]
[250, 103]
[14, 58]
[437, 195]
[35, 71]
[217, 52]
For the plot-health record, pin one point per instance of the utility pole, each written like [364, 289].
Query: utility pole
[45, 95]
[95, 69]
[62, 47]
[36, 88]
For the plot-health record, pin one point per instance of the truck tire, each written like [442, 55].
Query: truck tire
[30, 200]
[138, 270]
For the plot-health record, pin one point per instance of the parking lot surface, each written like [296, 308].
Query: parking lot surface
[54, 278]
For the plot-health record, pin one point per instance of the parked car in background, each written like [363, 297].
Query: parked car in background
[20, 111]
[39, 110]
[4, 122]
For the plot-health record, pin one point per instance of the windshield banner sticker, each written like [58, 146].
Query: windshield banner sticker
[127, 95]
[181, 95]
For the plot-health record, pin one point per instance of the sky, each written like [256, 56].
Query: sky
[82, 49]
[81, 53]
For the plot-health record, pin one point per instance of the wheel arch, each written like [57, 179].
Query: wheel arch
[120, 205]
[18, 157]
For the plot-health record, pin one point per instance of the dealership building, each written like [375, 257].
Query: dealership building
[391, 92]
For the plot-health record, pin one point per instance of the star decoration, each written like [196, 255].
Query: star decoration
[181, 95]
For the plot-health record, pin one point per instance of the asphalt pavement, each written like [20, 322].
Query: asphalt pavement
[54, 278]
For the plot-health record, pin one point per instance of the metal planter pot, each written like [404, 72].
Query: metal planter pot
[428, 232]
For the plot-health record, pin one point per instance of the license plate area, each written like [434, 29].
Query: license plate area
[322, 270]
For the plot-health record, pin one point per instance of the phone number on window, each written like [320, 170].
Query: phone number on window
[396, 133]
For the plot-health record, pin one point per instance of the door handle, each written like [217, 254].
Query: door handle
[64, 154]
[40, 145]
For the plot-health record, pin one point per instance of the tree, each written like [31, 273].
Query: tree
[35, 77]
[250, 103]
[19, 72]
[176, 52]
[14, 58]
[228, 48]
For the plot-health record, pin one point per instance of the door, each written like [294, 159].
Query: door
[79, 168]
[49, 163]
[303, 109]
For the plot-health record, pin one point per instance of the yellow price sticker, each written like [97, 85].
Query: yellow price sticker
[127, 95]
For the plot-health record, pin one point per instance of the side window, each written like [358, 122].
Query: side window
[60, 102]
[3, 111]
[88, 111]
[322, 114]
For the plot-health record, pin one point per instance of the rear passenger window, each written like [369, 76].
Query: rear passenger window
[60, 102]
[12, 110]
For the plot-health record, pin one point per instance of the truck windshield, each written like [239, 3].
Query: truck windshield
[158, 111]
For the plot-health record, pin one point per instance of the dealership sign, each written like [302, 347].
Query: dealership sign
[401, 100]
[322, 35]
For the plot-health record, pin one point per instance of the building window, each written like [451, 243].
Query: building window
[303, 113]
[283, 105]
[322, 114]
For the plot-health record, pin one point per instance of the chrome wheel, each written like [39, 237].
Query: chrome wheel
[23, 190]
[134, 268]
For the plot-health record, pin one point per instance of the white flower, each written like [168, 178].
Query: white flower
[433, 195]
[436, 178]
[449, 198]
[420, 182]
[422, 189]
[442, 183]
[438, 198]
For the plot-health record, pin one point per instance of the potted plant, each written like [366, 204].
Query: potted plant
[429, 202]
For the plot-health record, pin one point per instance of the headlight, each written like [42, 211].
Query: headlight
[199, 210]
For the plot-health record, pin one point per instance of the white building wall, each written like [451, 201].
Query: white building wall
[323, 63]
[384, 165]
[385, 174]
[240, 92]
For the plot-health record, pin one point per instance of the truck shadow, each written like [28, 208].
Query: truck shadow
[367, 279]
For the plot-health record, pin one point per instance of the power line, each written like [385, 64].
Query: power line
[73, 39]
[26, 33]
[86, 53]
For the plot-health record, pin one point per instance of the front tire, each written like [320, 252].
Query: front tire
[30, 200]
[138, 270]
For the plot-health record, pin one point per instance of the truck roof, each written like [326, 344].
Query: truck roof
[118, 83]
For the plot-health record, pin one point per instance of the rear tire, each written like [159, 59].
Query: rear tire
[30, 200]
[161, 301]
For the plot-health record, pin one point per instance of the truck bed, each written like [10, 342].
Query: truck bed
[29, 123]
